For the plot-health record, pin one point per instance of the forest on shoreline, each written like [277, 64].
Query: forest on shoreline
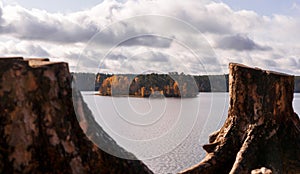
[158, 82]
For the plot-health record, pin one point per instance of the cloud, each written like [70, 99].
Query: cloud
[37, 51]
[130, 33]
[242, 36]
[1, 13]
[81, 26]
[213, 18]
[155, 57]
[39, 25]
[269, 63]
[148, 40]
[13, 48]
[295, 6]
[116, 57]
[240, 43]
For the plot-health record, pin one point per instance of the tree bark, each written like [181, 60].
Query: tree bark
[261, 133]
[39, 132]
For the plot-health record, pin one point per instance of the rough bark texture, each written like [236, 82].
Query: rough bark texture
[39, 132]
[261, 133]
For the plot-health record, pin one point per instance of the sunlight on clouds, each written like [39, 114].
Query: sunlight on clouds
[225, 35]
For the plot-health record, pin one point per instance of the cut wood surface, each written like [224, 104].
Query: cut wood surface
[39, 130]
[261, 133]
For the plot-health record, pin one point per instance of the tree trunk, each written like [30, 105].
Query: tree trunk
[39, 132]
[261, 133]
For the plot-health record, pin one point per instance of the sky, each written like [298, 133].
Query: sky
[138, 36]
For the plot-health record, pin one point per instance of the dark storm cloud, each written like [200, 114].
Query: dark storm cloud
[240, 43]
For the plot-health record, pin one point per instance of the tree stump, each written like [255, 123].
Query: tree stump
[39, 132]
[261, 133]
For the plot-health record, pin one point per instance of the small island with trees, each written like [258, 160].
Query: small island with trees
[154, 85]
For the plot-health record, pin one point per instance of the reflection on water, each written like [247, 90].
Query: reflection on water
[166, 133]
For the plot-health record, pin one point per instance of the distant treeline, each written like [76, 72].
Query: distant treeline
[158, 83]
[84, 81]
[297, 84]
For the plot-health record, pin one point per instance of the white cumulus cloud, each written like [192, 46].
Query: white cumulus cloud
[223, 35]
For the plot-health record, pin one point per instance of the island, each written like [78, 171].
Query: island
[94, 81]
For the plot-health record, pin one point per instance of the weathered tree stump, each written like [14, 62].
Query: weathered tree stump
[39, 132]
[261, 133]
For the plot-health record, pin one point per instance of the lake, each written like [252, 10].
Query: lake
[167, 134]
